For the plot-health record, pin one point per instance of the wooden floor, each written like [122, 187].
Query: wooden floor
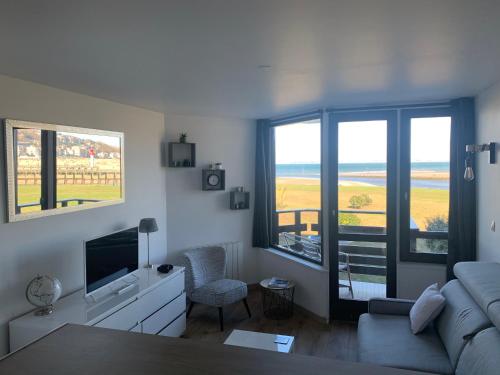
[336, 340]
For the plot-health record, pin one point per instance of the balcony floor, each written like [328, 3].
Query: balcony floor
[363, 291]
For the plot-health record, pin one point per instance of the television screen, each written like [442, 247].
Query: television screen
[110, 257]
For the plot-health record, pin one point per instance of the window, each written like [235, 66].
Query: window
[297, 189]
[425, 185]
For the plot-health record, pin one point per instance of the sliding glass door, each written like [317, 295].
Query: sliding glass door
[362, 196]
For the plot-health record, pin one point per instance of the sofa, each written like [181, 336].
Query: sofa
[464, 339]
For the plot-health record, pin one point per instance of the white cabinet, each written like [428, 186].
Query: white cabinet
[156, 304]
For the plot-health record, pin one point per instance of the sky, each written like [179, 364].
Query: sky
[362, 142]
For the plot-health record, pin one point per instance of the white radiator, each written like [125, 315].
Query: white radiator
[233, 258]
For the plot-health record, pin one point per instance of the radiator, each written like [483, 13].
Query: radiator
[233, 258]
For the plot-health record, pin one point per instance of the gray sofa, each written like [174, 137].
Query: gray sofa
[463, 340]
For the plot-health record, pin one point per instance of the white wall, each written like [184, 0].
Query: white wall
[488, 176]
[53, 245]
[197, 217]
[311, 291]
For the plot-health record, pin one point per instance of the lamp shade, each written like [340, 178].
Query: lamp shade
[148, 225]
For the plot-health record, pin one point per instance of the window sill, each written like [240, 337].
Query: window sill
[297, 260]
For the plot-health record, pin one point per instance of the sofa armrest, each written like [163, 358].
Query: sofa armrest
[390, 306]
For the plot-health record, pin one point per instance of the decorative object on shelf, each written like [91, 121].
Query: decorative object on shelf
[239, 199]
[43, 292]
[148, 225]
[474, 149]
[181, 155]
[277, 298]
[165, 268]
[182, 138]
[213, 179]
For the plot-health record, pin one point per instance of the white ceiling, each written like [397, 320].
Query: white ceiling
[203, 57]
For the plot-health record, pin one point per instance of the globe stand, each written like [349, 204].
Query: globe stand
[47, 310]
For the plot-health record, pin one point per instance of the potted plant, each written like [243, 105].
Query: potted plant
[182, 138]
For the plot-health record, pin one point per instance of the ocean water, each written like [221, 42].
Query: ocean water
[313, 171]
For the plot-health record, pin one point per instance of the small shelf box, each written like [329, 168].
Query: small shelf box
[181, 155]
[239, 200]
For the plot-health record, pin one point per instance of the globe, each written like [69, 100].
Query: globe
[43, 292]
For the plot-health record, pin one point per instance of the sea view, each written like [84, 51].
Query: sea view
[370, 173]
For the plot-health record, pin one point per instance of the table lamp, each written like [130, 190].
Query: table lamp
[148, 225]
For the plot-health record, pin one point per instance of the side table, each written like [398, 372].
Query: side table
[277, 302]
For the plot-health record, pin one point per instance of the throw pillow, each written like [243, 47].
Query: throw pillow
[426, 308]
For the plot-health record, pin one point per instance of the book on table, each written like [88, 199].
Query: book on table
[277, 283]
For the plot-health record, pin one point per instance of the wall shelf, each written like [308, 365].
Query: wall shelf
[239, 200]
[181, 155]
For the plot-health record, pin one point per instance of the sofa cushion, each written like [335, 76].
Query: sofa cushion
[426, 308]
[221, 292]
[480, 355]
[388, 341]
[481, 281]
[460, 317]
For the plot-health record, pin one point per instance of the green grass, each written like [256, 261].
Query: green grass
[425, 203]
[31, 193]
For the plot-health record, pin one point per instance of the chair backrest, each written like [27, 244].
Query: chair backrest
[203, 265]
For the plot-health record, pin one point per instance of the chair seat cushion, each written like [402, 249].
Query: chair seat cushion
[219, 293]
[387, 340]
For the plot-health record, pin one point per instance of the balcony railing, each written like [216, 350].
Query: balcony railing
[366, 258]
[62, 203]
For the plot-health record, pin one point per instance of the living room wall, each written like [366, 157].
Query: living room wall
[488, 176]
[53, 245]
[200, 218]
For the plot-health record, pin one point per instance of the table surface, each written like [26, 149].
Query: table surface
[259, 340]
[265, 284]
[80, 350]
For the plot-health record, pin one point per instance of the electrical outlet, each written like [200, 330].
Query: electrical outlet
[493, 226]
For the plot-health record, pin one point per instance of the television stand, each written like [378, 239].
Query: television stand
[155, 304]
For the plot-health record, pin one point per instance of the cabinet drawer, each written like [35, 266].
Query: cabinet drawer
[163, 317]
[176, 328]
[138, 310]
[125, 318]
[162, 295]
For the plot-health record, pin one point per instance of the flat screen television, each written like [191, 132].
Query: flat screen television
[110, 258]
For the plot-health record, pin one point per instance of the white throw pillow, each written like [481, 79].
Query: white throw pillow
[427, 307]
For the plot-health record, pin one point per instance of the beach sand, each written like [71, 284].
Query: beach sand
[417, 175]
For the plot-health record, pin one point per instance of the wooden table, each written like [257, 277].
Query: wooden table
[79, 350]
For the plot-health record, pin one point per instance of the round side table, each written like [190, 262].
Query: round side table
[277, 302]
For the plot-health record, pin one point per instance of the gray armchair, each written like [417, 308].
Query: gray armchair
[205, 282]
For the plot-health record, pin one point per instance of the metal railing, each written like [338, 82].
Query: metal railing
[62, 202]
[304, 239]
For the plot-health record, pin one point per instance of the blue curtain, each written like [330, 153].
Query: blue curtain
[462, 221]
[262, 226]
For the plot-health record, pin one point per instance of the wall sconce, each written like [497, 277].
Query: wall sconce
[474, 149]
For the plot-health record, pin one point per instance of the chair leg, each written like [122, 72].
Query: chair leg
[248, 308]
[350, 282]
[221, 319]
[191, 304]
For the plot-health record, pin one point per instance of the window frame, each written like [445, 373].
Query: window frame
[290, 120]
[405, 253]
